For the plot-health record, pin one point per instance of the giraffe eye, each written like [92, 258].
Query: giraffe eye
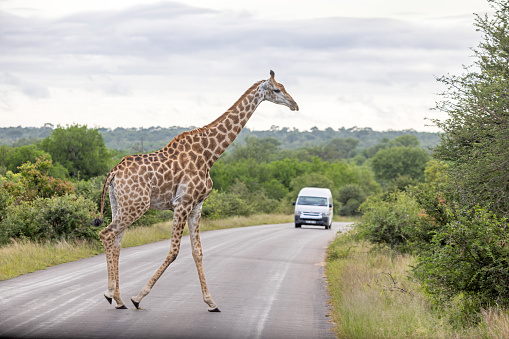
[277, 90]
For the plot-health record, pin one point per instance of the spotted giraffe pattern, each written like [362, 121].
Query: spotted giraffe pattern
[176, 178]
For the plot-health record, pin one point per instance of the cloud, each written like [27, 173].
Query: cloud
[169, 54]
[31, 90]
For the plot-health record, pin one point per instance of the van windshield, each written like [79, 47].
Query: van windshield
[312, 201]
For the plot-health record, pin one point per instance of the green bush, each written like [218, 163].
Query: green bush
[92, 190]
[34, 182]
[350, 197]
[66, 217]
[221, 205]
[468, 259]
[5, 200]
[395, 220]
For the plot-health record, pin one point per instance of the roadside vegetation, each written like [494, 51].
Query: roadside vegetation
[430, 259]
[374, 296]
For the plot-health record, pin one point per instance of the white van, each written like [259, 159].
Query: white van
[314, 207]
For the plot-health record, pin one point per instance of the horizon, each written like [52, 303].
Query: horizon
[273, 128]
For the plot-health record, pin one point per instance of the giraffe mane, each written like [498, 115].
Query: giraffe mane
[200, 130]
[246, 93]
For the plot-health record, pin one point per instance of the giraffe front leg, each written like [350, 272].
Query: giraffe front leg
[194, 234]
[179, 221]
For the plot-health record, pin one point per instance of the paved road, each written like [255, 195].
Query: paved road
[267, 280]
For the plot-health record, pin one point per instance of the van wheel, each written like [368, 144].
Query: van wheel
[297, 225]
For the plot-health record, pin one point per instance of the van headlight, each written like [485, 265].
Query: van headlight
[298, 213]
[325, 215]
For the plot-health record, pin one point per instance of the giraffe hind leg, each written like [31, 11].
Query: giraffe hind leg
[111, 242]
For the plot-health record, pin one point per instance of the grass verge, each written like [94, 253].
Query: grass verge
[372, 296]
[25, 256]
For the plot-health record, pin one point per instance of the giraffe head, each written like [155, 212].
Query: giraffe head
[276, 93]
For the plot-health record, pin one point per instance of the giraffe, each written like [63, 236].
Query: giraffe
[176, 178]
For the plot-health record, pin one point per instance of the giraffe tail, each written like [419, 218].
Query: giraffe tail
[99, 221]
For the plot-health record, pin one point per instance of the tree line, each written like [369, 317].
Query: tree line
[256, 176]
[141, 140]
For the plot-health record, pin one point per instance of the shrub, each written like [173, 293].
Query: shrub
[468, 259]
[92, 190]
[351, 196]
[5, 200]
[50, 218]
[395, 220]
[34, 182]
[220, 205]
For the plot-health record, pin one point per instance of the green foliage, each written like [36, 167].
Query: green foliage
[5, 201]
[34, 182]
[239, 201]
[351, 196]
[255, 149]
[389, 163]
[220, 205]
[476, 139]
[395, 220]
[279, 181]
[469, 257]
[92, 190]
[17, 156]
[335, 149]
[79, 149]
[66, 217]
[312, 179]
[401, 183]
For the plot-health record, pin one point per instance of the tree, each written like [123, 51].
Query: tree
[34, 181]
[389, 163]
[475, 142]
[406, 140]
[79, 149]
[476, 135]
[467, 193]
[339, 149]
[259, 149]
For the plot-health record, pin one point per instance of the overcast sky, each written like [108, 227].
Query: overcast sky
[134, 63]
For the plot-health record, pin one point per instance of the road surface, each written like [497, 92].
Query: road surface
[267, 280]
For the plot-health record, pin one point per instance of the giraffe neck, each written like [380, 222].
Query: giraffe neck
[225, 129]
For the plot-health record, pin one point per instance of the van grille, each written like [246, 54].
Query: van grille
[311, 215]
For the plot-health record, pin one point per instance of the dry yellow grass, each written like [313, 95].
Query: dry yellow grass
[372, 296]
[23, 257]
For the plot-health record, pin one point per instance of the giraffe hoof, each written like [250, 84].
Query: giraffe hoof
[123, 307]
[136, 304]
[214, 310]
[108, 298]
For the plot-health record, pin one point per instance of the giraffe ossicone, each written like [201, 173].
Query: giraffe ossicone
[176, 178]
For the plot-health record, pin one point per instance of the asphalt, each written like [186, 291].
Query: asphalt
[267, 280]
